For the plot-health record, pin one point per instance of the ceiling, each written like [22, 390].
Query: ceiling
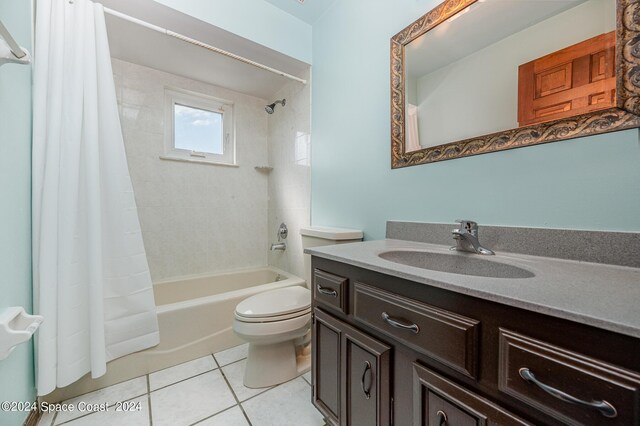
[140, 45]
[308, 11]
[466, 33]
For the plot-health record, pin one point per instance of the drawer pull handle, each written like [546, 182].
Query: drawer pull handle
[327, 291]
[367, 390]
[442, 418]
[603, 407]
[398, 324]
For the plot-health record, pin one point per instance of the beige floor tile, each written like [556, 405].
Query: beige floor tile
[232, 355]
[235, 375]
[192, 400]
[286, 405]
[180, 372]
[231, 417]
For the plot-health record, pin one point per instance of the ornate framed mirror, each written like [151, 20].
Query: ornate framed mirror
[477, 76]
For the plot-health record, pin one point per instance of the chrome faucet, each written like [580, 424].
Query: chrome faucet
[282, 234]
[279, 246]
[467, 238]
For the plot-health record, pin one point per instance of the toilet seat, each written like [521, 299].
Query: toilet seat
[292, 315]
[275, 305]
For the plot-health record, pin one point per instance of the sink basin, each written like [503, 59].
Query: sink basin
[458, 263]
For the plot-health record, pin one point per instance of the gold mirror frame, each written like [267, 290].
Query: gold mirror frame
[624, 116]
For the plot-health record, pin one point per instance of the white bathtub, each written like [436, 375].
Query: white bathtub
[195, 315]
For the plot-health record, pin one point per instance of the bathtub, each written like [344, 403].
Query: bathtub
[195, 317]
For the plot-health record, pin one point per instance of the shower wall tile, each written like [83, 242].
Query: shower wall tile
[195, 218]
[290, 181]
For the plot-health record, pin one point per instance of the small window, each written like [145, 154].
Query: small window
[198, 128]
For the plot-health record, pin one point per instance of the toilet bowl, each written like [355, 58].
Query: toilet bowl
[274, 323]
[277, 323]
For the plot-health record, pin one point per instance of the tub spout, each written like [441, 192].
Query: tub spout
[278, 246]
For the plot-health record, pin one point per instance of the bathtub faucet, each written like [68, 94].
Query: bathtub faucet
[278, 246]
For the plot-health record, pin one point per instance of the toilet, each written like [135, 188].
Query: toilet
[276, 323]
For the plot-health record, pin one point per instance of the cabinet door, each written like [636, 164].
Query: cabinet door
[325, 365]
[350, 374]
[439, 402]
[366, 361]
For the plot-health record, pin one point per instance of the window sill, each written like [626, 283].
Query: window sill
[198, 161]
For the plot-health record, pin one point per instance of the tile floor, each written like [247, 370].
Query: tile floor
[204, 392]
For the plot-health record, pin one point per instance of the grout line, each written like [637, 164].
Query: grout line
[245, 414]
[233, 362]
[271, 388]
[226, 409]
[177, 365]
[305, 379]
[215, 361]
[216, 367]
[213, 415]
[180, 381]
[149, 401]
[224, 376]
[148, 392]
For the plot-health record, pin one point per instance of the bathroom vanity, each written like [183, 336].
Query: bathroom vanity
[512, 339]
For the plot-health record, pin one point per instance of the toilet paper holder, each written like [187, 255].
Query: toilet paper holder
[16, 326]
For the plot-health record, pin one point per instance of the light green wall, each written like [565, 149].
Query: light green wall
[256, 20]
[16, 372]
[590, 183]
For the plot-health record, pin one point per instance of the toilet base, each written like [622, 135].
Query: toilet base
[272, 364]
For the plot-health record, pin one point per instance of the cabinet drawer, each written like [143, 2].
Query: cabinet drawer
[330, 290]
[569, 386]
[445, 336]
[438, 401]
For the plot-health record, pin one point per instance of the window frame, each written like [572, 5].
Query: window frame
[189, 99]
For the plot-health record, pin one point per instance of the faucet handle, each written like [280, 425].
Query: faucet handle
[468, 225]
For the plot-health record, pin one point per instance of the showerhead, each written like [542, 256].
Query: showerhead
[272, 107]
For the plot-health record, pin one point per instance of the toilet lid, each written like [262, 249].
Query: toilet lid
[272, 303]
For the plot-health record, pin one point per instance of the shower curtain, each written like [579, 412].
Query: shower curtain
[412, 143]
[91, 277]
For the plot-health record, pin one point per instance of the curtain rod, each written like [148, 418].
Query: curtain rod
[201, 44]
[15, 48]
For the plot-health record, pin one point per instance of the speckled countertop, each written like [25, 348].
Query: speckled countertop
[603, 296]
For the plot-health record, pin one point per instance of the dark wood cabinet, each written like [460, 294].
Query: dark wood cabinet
[440, 402]
[350, 374]
[326, 366]
[443, 335]
[329, 289]
[569, 386]
[398, 352]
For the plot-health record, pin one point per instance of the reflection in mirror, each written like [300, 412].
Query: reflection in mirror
[501, 64]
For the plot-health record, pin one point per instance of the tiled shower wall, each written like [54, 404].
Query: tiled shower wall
[195, 218]
[290, 180]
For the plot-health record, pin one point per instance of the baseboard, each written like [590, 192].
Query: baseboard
[33, 418]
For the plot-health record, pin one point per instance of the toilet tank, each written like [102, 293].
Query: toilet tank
[315, 236]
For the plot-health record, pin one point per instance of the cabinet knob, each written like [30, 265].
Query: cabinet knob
[441, 417]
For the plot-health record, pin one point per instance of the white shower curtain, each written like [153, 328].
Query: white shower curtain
[91, 277]
[412, 142]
